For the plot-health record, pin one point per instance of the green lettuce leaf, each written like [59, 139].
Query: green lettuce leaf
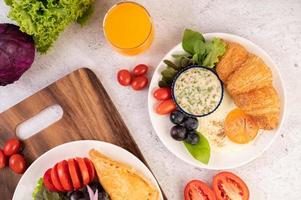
[204, 53]
[190, 40]
[82, 20]
[201, 150]
[214, 50]
[46, 19]
[38, 188]
[41, 193]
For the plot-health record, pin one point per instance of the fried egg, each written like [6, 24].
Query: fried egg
[212, 127]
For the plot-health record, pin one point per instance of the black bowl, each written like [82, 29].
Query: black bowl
[173, 93]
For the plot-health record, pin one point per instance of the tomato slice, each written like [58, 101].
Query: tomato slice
[90, 167]
[84, 170]
[64, 176]
[227, 186]
[75, 174]
[48, 182]
[198, 190]
[55, 179]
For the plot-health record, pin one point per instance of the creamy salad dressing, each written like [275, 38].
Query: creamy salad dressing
[198, 91]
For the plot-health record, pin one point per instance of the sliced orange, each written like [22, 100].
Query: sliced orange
[240, 127]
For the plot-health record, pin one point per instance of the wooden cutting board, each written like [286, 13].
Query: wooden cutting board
[88, 114]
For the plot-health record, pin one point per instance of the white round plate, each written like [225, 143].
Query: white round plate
[80, 148]
[219, 160]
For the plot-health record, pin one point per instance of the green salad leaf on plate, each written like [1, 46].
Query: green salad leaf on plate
[214, 49]
[198, 51]
[41, 193]
[204, 53]
[201, 150]
[192, 41]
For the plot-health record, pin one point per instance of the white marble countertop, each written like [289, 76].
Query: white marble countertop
[273, 25]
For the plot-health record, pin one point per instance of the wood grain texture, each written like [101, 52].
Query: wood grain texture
[88, 114]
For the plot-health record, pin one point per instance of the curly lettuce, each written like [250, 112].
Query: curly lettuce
[41, 193]
[45, 19]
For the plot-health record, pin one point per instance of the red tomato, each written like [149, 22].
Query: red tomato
[17, 163]
[64, 176]
[90, 167]
[48, 182]
[227, 185]
[55, 179]
[84, 170]
[124, 77]
[139, 82]
[162, 93]
[75, 174]
[198, 190]
[140, 69]
[166, 107]
[3, 159]
[12, 146]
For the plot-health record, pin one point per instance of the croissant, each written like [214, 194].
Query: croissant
[233, 58]
[262, 104]
[249, 81]
[253, 74]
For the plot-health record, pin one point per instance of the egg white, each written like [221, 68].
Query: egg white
[211, 126]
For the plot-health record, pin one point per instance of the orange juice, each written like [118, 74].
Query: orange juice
[128, 27]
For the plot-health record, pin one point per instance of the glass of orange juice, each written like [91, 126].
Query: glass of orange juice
[128, 27]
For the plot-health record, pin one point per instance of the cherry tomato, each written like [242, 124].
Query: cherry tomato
[3, 159]
[162, 93]
[84, 170]
[17, 163]
[90, 167]
[64, 176]
[240, 127]
[124, 77]
[12, 146]
[227, 185]
[55, 179]
[166, 107]
[140, 70]
[198, 190]
[48, 182]
[139, 82]
[74, 173]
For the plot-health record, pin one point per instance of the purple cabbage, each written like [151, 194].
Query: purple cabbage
[17, 53]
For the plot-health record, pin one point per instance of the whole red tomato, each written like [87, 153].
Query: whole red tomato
[166, 107]
[162, 93]
[140, 70]
[139, 82]
[3, 159]
[12, 146]
[17, 163]
[124, 77]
